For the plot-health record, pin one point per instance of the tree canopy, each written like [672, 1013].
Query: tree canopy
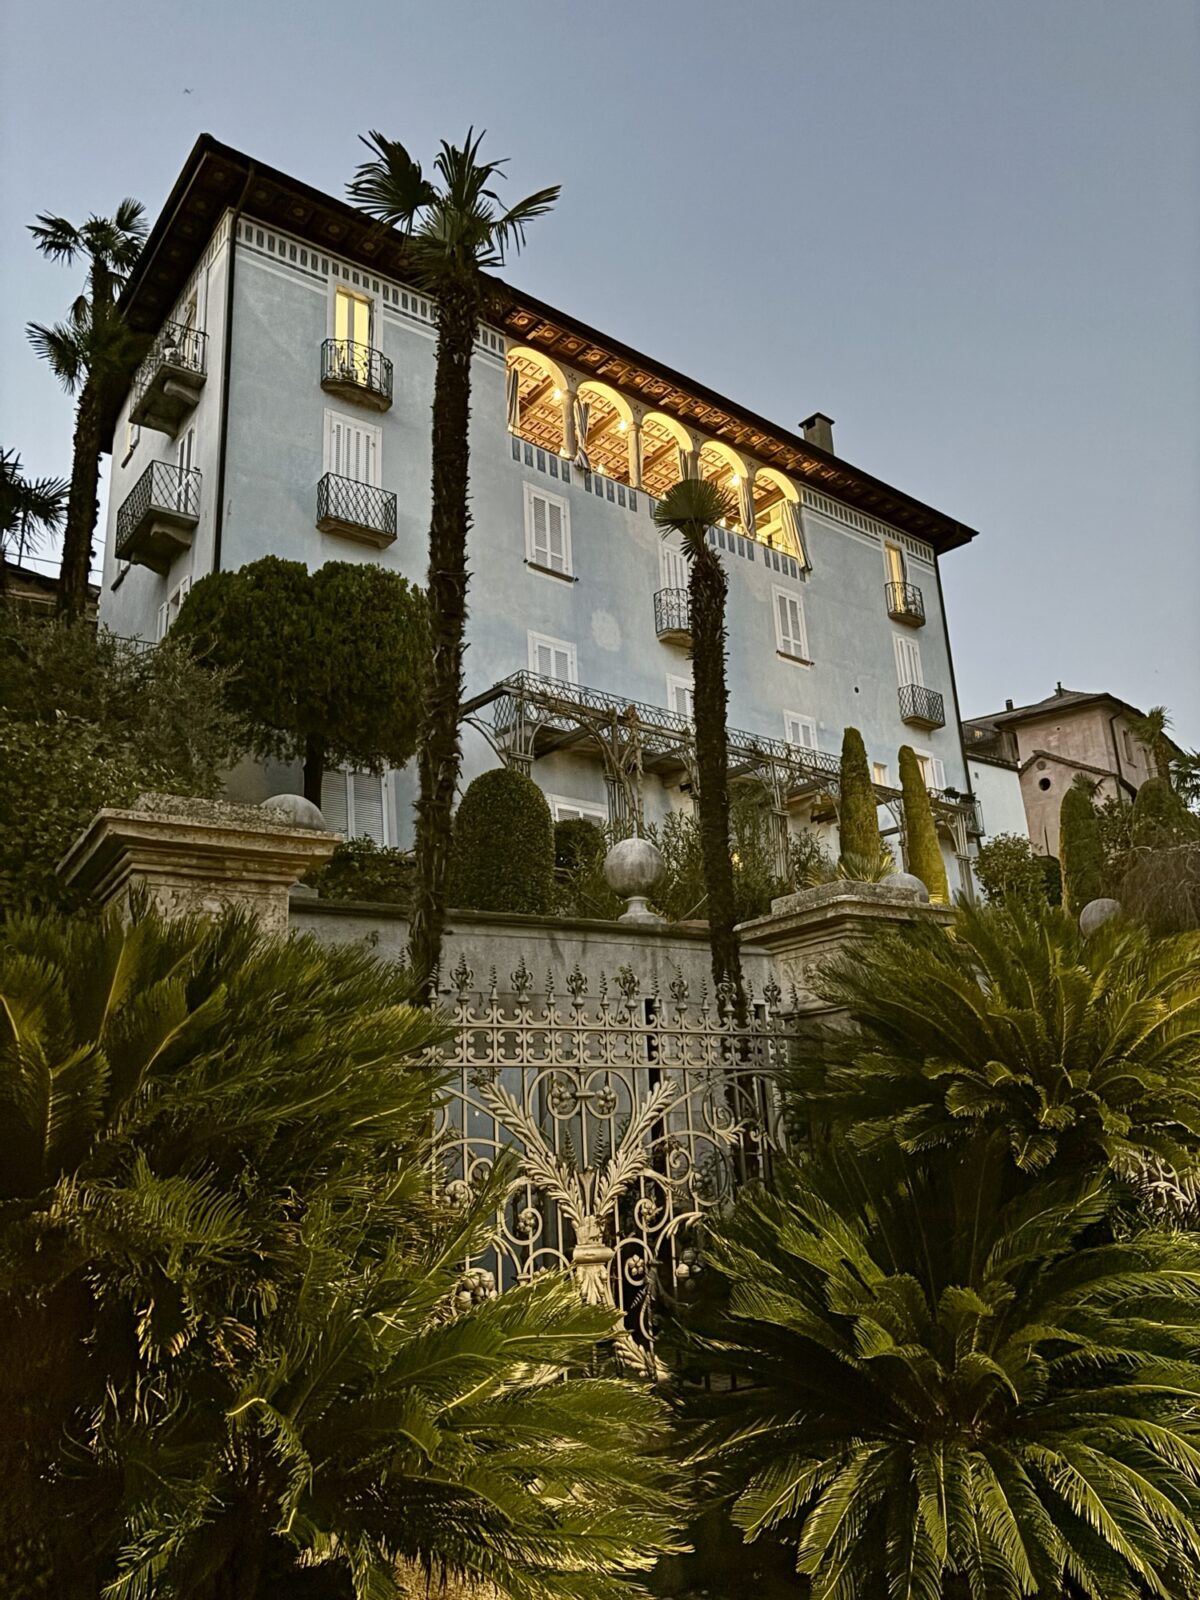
[325, 667]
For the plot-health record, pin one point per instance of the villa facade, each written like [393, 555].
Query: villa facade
[284, 408]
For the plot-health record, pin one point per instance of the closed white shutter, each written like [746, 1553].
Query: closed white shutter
[368, 808]
[164, 614]
[932, 770]
[352, 449]
[674, 566]
[552, 658]
[789, 625]
[334, 806]
[547, 534]
[682, 697]
[908, 661]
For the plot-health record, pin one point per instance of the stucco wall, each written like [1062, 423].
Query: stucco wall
[998, 791]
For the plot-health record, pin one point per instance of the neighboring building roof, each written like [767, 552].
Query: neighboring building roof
[989, 759]
[39, 590]
[215, 177]
[1061, 700]
[1069, 761]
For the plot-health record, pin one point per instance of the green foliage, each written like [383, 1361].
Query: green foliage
[89, 720]
[360, 869]
[578, 843]
[327, 667]
[1009, 873]
[503, 846]
[29, 509]
[232, 1326]
[921, 840]
[858, 824]
[1160, 817]
[1079, 1054]
[1081, 852]
[1051, 872]
[943, 1393]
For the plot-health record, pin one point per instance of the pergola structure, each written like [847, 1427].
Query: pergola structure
[526, 716]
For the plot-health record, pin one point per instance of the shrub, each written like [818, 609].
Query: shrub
[858, 824]
[1082, 854]
[503, 854]
[578, 843]
[359, 869]
[1161, 887]
[1009, 873]
[924, 852]
[1160, 816]
[1051, 871]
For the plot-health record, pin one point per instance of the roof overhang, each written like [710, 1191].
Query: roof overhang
[216, 177]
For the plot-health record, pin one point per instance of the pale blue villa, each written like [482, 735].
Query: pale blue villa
[284, 408]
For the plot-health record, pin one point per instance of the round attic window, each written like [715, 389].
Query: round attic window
[1043, 783]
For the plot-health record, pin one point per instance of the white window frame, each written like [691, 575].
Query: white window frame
[902, 644]
[933, 769]
[881, 774]
[781, 645]
[688, 685]
[347, 418]
[793, 719]
[537, 639]
[544, 568]
[359, 293]
[384, 779]
[892, 544]
[590, 810]
[672, 563]
[169, 610]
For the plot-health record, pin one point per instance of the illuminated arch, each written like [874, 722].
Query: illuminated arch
[777, 513]
[542, 383]
[720, 464]
[663, 438]
[609, 419]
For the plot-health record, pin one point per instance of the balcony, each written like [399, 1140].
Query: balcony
[156, 520]
[673, 616]
[356, 373]
[356, 510]
[906, 604]
[921, 707]
[169, 380]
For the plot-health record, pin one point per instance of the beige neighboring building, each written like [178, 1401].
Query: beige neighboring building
[1048, 744]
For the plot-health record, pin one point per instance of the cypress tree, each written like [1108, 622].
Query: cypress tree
[924, 852]
[858, 825]
[1160, 816]
[1080, 849]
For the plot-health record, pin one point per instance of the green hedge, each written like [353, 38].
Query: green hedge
[503, 854]
[920, 832]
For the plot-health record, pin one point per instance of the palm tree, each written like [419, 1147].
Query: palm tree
[944, 1397]
[29, 507]
[1153, 730]
[92, 354]
[690, 508]
[238, 1353]
[1079, 1054]
[455, 229]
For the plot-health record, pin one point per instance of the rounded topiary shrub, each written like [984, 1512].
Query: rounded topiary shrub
[578, 843]
[503, 855]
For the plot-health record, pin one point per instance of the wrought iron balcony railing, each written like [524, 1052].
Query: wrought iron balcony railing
[156, 519]
[922, 707]
[905, 603]
[356, 510]
[673, 616]
[169, 380]
[356, 372]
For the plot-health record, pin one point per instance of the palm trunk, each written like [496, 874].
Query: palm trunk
[439, 756]
[707, 589]
[82, 508]
[315, 753]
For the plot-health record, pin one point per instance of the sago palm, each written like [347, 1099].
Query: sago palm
[235, 1353]
[1080, 1053]
[92, 354]
[690, 508]
[456, 228]
[941, 1397]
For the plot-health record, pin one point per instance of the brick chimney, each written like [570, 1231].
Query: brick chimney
[818, 430]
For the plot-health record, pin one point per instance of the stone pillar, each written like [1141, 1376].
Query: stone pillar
[570, 443]
[803, 931]
[634, 443]
[200, 856]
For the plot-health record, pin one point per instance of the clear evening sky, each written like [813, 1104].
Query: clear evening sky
[968, 231]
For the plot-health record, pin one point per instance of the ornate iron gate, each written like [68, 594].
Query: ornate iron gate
[632, 1116]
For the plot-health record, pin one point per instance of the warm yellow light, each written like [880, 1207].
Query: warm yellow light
[622, 425]
[558, 394]
[735, 480]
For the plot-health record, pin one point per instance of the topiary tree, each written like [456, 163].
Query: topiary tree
[920, 833]
[1009, 873]
[858, 824]
[1081, 850]
[325, 667]
[503, 856]
[578, 844]
[1160, 816]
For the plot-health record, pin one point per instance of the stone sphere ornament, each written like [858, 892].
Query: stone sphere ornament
[632, 869]
[908, 882]
[299, 812]
[1095, 914]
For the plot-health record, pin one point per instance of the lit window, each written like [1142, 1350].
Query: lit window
[791, 638]
[879, 774]
[352, 317]
[932, 770]
[799, 730]
[552, 658]
[547, 531]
